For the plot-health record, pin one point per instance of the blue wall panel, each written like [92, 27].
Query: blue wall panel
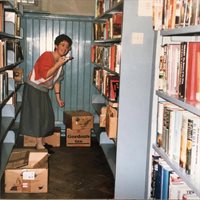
[40, 31]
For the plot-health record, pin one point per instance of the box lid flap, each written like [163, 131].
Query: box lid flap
[18, 159]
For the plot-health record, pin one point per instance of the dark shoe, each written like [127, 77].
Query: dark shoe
[48, 146]
[50, 151]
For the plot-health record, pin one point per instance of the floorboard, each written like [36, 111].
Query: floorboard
[75, 173]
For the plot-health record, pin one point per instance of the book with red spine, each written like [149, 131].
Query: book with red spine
[191, 81]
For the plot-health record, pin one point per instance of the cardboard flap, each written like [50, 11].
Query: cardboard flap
[38, 160]
[18, 159]
[43, 163]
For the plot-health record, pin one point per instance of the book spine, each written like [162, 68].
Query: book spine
[198, 73]
[182, 74]
[191, 84]
[189, 146]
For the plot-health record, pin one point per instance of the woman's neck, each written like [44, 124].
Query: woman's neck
[56, 56]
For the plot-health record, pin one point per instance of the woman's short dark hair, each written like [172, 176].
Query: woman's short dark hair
[61, 38]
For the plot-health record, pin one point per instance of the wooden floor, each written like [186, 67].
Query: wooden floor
[76, 173]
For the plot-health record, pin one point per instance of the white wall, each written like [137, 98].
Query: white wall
[65, 7]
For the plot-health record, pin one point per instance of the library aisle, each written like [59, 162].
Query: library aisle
[75, 173]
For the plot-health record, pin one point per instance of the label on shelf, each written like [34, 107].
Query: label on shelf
[137, 38]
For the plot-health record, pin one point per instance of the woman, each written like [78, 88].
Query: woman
[37, 116]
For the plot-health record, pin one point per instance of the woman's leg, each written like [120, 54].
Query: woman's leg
[39, 143]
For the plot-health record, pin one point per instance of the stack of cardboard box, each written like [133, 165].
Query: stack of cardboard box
[53, 140]
[78, 128]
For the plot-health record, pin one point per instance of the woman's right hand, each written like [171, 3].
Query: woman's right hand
[62, 60]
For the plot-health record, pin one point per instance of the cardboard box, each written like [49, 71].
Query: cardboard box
[102, 118]
[78, 119]
[53, 140]
[31, 178]
[78, 138]
[111, 122]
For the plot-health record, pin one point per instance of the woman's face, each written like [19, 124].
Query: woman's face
[63, 48]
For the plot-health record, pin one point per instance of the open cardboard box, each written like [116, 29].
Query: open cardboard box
[111, 122]
[30, 178]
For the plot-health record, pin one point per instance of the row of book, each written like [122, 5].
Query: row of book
[107, 56]
[178, 134]
[169, 14]
[103, 5]
[179, 70]
[106, 83]
[10, 21]
[109, 29]
[8, 81]
[10, 52]
[166, 184]
[4, 92]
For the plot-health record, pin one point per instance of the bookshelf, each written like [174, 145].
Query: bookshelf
[127, 154]
[105, 50]
[191, 109]
[10, 89]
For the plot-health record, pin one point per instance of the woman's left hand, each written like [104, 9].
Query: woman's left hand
[61, 103]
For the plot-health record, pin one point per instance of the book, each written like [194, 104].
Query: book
[98, 33]
[177, 135]
[165, 182]
[183, 145]
[1, 54]
[189, 146]
[194, 14]
[162, 84]
[188, 12]
[154, 173]
[3, 85]
[182, 73]
[10, 52]
[113, 90]
[106, 57]
[190, 196]
[198, 74]
[112, 60]
[178, 13]
[92, 53]
[191, 80]
[160, 123]
[173, 63]
[99, 10]
[169, 14]
[193, 163]
[116, 25]
[18, 52]
[118, 58]
[157, 9]
[177, 187]
[113, 3]
[172, 14]
[162, 180]
[1, 17]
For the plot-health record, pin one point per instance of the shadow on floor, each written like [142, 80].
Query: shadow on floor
[75, 173]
